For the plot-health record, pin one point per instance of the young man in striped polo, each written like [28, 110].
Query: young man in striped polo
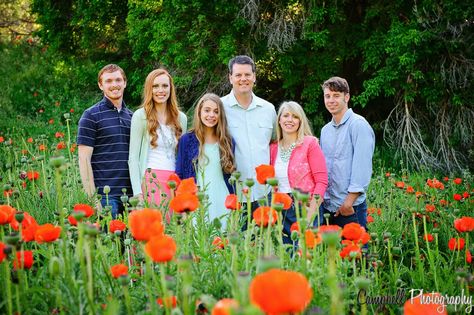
[103, 141]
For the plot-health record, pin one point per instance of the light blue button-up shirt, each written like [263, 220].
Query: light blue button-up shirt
[252, 130]
[348, 148]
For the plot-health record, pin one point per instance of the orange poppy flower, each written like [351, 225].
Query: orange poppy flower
[280, 292]
[23, 260]
[116, 225]
[187, 186]
[232, 202]
[370, 219]
[424, 304]
[145, 224]
[119, 270]
[61, 145]
[430, 208]
[161, 248]
[184, 202]
[28, 220]
[262, 216]
[175, 178]
[47, 233]
[400, 184]
[264, 172]
[295, 227]
[351, 248]
[282, 198]
[225, 307]
[88, 210]
[410, 190]
[6, 214]
[312, 239]
[456, 244]
[32, 175]
[169, 302]
[219, 243]
[329, 229]
[59, 134]
[352, 231]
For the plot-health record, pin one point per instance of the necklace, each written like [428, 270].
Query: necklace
[285, 154]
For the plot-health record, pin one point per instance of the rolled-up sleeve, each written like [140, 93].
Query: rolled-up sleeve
[363, 141]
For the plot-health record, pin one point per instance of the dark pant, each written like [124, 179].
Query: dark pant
[254, 205]
[115, 203]
[359, 216]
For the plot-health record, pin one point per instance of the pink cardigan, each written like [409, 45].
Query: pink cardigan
[307, 166]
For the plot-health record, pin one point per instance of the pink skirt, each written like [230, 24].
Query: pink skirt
[157, 191]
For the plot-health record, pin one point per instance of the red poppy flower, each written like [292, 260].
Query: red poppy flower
[424, 305]
[28, 220]
[47, 233]
[456, 244]
[400, 184]
[352, 231]
[443, 202]
[6, 214]
[116, 225]
[218, 243]
[329, 229]
[184, 202]
[119, 270]
[295, 227]
[464, 224]
[2, 139]
[457, 197]
[145, 224]
[347, 250]
[41, 147]
[446, 178]
[280, 292]
[264, 172]
[61, 145]
[32, 175]
[23, 260]
[161, 248]
[387, 174]
[430, 208]
[284, 199]
[7, 193]
[51, 121]
[72, 220]
[468, 257]
[88, 210]
[465, 195]
[175, 178]
[2, 253]
[187, 186]
[225, 307]
[232, 202]
[428, 237]
[59, 134]
[370, 219]
[457, 181]
[262, 216]
[410, 190]
[169, 302]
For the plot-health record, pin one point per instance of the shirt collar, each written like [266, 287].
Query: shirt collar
[345, 118]
[255, 101]
[110, 105]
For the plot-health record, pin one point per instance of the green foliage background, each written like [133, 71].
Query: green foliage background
[410, 65]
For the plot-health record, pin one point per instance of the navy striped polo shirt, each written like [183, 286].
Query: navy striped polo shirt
[107, 130]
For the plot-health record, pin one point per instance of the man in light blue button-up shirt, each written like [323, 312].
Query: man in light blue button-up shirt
[348, 144]
[251, 122]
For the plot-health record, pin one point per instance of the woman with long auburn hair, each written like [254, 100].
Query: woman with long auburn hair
[155, 130]
[206, 153]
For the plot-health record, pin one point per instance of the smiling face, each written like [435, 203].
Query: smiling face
[161, 89]
[289, 122]
[113, 85]
[209, 114]
[336, 102]
[242, 78]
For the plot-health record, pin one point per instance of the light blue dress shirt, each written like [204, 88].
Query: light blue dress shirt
[348, 148]
[252, 130]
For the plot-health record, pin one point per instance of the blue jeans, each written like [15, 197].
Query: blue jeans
[359, 216]
[115, 203]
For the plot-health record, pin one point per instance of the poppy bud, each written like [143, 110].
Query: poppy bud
[201, 195]
[107, 209]
[124, 280]
[267, 262]
[106, 189]
[272, 181]
[236, 175]
[124, 191]
[249, 182]
[127, 241]
[172, 184]
[12, 238]
[303, 197]
[331, 238]
[262, 201]
[294, 236]
[67, 116]
[124, 199]
[134, 201]
[362, 283]
[7, 187]
[23, 160]
[19, 216]
[54, 266]
[234, 238]
[57, 161]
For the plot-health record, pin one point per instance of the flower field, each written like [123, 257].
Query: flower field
[59, 255]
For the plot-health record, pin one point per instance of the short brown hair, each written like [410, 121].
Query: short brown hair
[111, 68]
[336, 84]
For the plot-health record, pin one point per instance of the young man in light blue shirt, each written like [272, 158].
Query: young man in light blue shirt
[348, 144]
[251, 122]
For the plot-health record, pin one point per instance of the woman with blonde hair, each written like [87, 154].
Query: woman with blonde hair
[206, 153]
[298, 160]
[155, 130]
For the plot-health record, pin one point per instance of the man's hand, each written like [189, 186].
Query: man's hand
[345, 210]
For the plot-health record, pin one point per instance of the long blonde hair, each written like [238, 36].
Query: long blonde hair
[294, 108]
[220, 129]
[151, 111]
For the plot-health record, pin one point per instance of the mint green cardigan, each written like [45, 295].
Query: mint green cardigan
[139, 146]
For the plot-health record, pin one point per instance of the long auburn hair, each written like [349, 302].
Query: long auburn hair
[220, 129]
[151, 111]
[295, 109]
